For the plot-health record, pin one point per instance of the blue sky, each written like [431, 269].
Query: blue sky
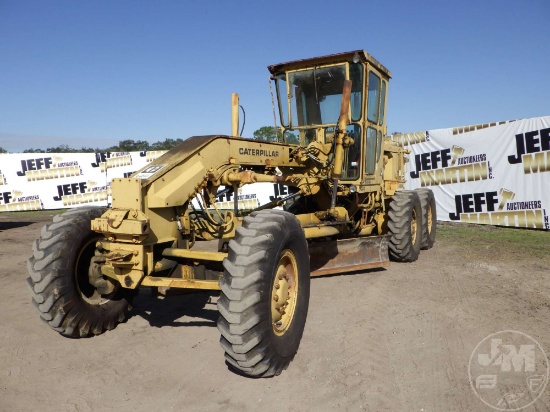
[91, 73]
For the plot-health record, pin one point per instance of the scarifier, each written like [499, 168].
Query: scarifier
[346, 211]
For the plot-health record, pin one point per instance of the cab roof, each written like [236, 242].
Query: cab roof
[329, 59]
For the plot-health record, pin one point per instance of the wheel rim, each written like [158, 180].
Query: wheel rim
[284, 293]
[414, 227]
[429, 219]
[86, 290]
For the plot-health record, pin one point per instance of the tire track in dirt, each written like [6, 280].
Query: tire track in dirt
[398, 339]
[426, 338]
[364, 350]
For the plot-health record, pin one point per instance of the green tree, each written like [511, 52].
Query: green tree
[166, 145]
[130, 146]
[61, 149]
[34, 151]
[272, 134]
[127, 145]
[89, 150]
[291, 138]
[266, 133]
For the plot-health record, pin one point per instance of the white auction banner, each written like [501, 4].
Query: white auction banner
[495, 174]
[36, 181]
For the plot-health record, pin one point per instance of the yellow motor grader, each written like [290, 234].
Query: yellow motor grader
[345, 210]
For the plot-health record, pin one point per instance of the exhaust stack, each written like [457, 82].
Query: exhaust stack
[234, 114]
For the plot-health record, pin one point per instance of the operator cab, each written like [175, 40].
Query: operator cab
[309, 95]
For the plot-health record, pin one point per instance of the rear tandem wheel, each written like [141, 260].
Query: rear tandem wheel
[405, 226]
[429, 217]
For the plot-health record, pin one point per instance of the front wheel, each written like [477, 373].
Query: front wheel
[66, 297]
[265, 294]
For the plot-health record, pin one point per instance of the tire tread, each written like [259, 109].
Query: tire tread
[399, 212]
[53, 289]
[243, 323]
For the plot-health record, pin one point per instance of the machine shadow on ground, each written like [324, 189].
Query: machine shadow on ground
[13, 225]
[198, 308]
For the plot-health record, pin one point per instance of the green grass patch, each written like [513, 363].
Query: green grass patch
[31, 214]
[501, 242]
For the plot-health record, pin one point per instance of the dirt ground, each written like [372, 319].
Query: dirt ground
[396, 339]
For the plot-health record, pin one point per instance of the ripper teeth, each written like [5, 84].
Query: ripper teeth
[21, 206]
[56, 173]
[80, 198]
[115, 162]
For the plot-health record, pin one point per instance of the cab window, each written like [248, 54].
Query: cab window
[352, 154]
[282, 98]
[356, 77]
[382, 102]
[373, 112]
[316, 95]
[370, 152]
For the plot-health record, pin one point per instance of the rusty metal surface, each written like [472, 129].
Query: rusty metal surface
[115, 217]
[181, 283]
[339, 256]
[194, 254]
[328, 59]
[178, 154]
[193, 146]
[119, 254]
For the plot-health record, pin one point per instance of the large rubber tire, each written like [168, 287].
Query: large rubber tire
[58, 269]
[405, 226]
[269, 248]
[429, 217]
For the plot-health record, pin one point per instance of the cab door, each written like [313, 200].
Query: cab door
[375, 115]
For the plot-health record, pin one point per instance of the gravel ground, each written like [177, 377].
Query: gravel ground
[396, 339]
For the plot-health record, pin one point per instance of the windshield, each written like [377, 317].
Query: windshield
[316, 95]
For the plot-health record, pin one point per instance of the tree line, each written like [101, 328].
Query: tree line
[128, 145]
[265, 133]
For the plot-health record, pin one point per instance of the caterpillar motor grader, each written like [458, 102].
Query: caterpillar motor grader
[346, 211]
